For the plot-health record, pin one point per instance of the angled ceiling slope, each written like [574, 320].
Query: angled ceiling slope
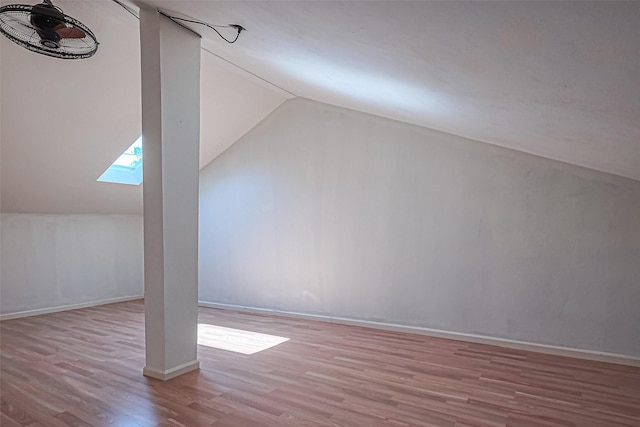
[556, 79]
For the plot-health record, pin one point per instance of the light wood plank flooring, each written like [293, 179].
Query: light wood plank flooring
[84, 367]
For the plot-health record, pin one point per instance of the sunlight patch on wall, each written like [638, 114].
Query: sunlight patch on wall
[126, 169]
[236, 340]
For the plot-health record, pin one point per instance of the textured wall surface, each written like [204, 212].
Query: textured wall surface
[56, 260]
[329, 211]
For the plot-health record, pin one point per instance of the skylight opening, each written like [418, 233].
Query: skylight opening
[236, 340]
[126, 169]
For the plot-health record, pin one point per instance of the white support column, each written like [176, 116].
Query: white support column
[171, 144]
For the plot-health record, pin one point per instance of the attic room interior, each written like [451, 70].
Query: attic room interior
[382, 213]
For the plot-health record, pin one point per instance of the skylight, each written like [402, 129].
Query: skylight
[127, 169]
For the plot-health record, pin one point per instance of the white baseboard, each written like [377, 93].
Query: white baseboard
[171, 373]
[599, 356]
[48, 310]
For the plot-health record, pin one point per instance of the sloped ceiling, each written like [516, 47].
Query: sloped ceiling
[556, 79]
[232, 102]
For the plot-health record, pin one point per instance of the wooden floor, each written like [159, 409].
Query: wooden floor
[84, 367]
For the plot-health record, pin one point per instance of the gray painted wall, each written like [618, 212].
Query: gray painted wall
[56, 260]
[329, 211]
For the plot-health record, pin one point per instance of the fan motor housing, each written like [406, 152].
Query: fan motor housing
[46, 16]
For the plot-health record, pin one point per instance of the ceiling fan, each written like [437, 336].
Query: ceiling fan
[45, 29]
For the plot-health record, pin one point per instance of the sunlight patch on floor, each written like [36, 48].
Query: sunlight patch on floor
[237, 340]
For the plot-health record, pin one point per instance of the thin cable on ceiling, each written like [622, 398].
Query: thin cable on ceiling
[237, 27]
[132, 12]
[293, 95]
[127, 8]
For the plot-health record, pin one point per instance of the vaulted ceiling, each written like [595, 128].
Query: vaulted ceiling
[556, 79]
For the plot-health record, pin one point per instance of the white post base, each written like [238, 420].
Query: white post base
[171, 373]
